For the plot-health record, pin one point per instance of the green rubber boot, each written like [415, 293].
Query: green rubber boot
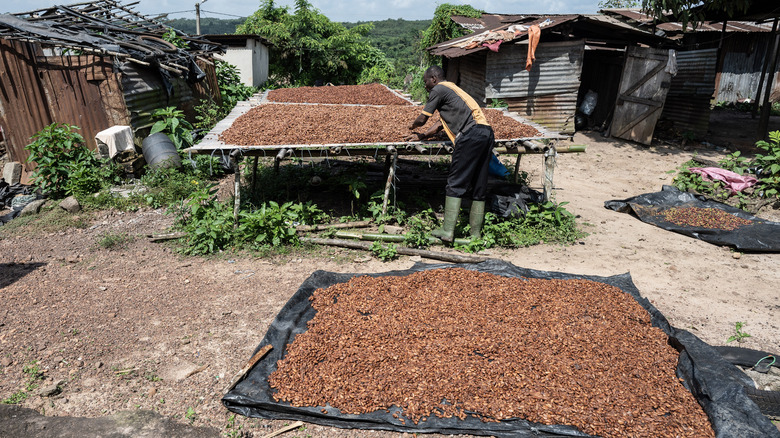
[476, 217]
[447, 231]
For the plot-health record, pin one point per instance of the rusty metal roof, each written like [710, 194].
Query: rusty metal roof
[638, 18]
[107, 28]
[495, 27]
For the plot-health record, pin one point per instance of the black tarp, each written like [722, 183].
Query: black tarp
[760, 236]
[718, 385]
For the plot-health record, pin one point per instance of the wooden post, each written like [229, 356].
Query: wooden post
[549, 168]
[766, 108]
[235, 155]
[254, 174]
[390, 164]
[517, 168]
[763, 71]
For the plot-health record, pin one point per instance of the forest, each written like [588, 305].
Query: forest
[398, 39]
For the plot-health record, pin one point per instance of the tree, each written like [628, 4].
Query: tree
[306, 47]
[618, 4]
[692, 12]
[442, 27]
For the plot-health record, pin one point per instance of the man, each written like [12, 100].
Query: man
[472, 139]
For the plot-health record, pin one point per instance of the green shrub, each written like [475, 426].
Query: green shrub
[172, 123]
[58, 150]
[207, 222]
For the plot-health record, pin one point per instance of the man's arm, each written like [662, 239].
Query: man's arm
[431, 131]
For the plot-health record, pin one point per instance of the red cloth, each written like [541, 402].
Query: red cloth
[533, 40]
[493, 46]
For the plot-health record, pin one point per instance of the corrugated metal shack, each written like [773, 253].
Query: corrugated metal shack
[576, 53]
[94, 65]
[744, 47]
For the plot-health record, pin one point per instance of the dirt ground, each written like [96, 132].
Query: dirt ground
[146, 328]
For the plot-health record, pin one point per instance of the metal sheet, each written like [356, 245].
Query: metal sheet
[553, 111]
[741, 68]
[449, 48]
[145, 91]
[556, 70]
[639, 18]
[36, 91]
[688, 101]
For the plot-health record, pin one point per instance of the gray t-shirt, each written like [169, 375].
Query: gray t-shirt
[458, 110]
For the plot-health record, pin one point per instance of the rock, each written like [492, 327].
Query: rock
[392, 229]
[737, 255]
[415, 258]
[51, 389]
[70, 204]
[152, 392]
[6, 361]
[32, 208]
[98, 364]
[12, 172]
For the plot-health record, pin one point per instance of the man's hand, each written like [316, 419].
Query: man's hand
[414, 136]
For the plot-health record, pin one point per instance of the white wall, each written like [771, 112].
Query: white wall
[251, 61]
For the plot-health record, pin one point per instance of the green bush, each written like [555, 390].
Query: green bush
[766, 167]
[207, 222]
[172, 123]
[58, 150]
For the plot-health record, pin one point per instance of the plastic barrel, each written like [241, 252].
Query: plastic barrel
[160, 152]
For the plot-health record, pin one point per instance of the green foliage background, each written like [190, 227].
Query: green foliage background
[307, 47]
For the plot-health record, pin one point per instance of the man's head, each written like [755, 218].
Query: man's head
[433, 76]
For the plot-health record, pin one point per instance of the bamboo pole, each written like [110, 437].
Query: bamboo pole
[321, 227]
[436, 255]
[393, 238]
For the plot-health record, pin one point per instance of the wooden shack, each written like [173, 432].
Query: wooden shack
[94, 65]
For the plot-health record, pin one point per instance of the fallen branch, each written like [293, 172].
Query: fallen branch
[168, 236]
[196, 371]
[287, 428]
[436, 255]
[321, 227]
[241, 373]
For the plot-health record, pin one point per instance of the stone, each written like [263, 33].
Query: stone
[12, 172]
[392, 229]
[6, 361]
[32, 208]
[51, 389]
[70, 204]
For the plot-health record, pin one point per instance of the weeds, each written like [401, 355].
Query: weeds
[384, 252]
[112, 241]
[738, 335]
[34, 376]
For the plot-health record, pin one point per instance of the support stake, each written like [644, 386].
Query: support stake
[549, 168]
[390, 164]
[235, 155]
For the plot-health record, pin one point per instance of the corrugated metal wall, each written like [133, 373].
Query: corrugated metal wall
[144, 92]
[472, 75]
[548, 93]
[741, 67]
[692, 88]
[36, 91]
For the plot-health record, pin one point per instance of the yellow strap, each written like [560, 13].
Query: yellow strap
[476, 111]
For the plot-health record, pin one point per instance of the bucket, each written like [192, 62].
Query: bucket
[160, 152]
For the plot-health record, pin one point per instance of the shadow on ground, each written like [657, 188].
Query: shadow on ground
[16, 421]
[12, 272]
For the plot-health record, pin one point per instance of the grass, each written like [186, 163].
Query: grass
[33, 377]
[52, 219]
[113, 241]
